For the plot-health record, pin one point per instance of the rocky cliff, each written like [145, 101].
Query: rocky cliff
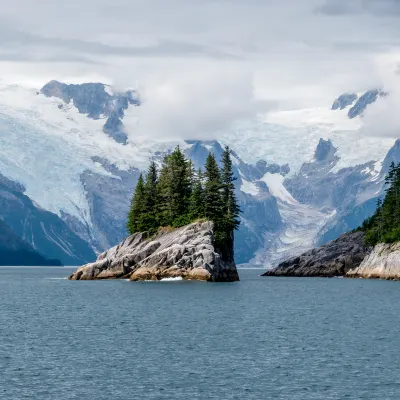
[186, 252]
[382, 263]
[335, 258]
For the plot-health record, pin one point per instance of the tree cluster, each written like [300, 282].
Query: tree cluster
[384, 225]
[176, 195]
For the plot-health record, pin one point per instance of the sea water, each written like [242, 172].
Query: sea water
[260, 338]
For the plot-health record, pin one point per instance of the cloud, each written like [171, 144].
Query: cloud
[203, 65]
[194, 105]
[382, 118]
[338, 8]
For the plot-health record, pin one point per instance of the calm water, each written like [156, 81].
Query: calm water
[262, 338]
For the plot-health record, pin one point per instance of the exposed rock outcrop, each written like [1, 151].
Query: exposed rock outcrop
[186, 252]
[335, 258]
[382, 263]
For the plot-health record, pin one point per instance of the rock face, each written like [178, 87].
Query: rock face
[335, 258]
[382, 263]
[16, 251]
[45, 232]
[97, 100]
[186, 252]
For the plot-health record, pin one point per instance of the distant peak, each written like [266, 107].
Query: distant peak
[364, 101]
[344, 100]
[97, 100]
[324, 149]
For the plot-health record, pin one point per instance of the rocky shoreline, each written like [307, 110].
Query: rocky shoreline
[186, 252]
[335, 258]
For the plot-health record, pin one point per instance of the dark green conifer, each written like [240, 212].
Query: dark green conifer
[231, 207]
[134, 223]
[151, 203]
[196, 204]
[384, 225]
[174, 188]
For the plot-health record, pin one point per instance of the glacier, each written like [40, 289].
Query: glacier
[69, 165]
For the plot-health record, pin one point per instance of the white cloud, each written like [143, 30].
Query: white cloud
[194, 103]
[203, 65]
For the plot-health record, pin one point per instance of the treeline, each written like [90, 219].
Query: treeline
[384, 225]
[176, 195]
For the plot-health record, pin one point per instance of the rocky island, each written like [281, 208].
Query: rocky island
[181, 223]
[188, 252]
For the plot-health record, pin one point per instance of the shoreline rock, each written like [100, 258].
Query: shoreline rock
[187, 252]
[382, 263]
[335, 258]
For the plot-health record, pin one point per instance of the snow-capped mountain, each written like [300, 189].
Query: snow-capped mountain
[304, 176]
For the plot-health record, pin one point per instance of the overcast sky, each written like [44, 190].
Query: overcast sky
[241, 56]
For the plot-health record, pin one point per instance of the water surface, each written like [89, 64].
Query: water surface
[261, 338]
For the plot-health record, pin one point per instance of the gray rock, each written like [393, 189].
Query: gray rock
[186, 252]
[382, 263]
[366, 99]
[94, 100]
[335, 258]
[344, 101]
[109, 198]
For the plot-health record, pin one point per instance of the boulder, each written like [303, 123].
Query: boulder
[186, 252]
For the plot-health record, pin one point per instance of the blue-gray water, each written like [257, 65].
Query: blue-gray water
[261, 338]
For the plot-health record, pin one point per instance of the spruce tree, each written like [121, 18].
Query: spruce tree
[384, 225]
[134, 223]
[175, 189]
[213, 201]
[196, 203]
[230, 205]
[151, 203]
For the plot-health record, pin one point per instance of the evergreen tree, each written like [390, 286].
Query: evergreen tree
[213, 201]
[134, 223]
[174, 189]
[151, 203]
[384, 225]
[230, 205]
[213, 207]
[196, 204]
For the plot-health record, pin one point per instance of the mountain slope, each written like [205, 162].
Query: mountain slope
[15, 251]
[73, 150]
[44, 231]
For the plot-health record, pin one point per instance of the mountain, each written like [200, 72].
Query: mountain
[44, 231]
[15, 251]
[71, 160]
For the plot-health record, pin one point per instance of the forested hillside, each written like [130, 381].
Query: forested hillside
[384, 225]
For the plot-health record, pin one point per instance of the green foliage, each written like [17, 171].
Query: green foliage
[174, 187]
[384, 225]
[134, 223]
[177, 196]
[196, 201]
[231, 209]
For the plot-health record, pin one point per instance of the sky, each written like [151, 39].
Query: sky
[202, 64]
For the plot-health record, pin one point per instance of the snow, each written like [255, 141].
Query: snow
[108, 90]
[292, 137]
[248, 187]
[47, 148]
[276, 188]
